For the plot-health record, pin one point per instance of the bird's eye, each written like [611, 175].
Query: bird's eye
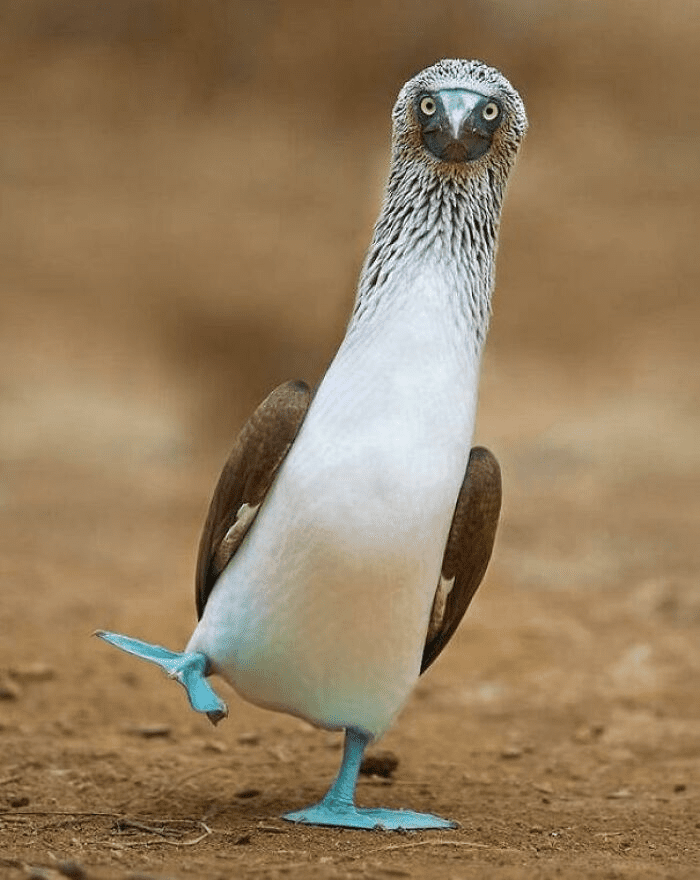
[490, 111]
[428, 106]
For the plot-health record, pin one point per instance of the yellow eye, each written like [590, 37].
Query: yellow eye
[428, 106]
[490, 111]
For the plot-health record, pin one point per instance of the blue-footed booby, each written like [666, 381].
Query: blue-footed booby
[351, 527]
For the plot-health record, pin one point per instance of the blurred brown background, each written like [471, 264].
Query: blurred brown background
[186, 193]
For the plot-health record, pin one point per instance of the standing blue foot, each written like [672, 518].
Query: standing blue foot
[189, 669]
[338, 806]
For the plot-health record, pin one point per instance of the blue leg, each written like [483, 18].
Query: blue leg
[338, 806]
[189, 669]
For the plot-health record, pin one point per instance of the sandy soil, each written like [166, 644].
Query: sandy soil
[181, 229]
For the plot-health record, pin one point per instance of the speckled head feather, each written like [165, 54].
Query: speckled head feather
[439, 212]
[457, 74]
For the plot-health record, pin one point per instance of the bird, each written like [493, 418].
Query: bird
[351, 525]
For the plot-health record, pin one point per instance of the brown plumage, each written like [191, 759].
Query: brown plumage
[468, 550]
[259, 450]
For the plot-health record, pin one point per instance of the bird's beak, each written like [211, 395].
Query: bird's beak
[454, 135]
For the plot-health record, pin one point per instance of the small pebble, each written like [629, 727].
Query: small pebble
[511, 752]
[247, 792]
[9, 690]
[249, 739]
[17, 802]
[588, 733]
[620, 794]
[150, 731]
[381, 764]
[72, 870]
[679, 787]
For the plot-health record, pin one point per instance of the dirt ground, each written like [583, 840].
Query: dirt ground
[186, 192]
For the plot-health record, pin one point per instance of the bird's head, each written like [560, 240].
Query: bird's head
[457, 118]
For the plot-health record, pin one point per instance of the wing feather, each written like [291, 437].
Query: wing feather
[468, 549]
[245, 480]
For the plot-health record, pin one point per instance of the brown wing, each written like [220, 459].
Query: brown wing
[258, 452]
[468, 549]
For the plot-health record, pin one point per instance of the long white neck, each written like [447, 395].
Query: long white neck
[433, 251]
[421, 314]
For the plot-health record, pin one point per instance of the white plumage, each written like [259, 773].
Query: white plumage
[324, 609]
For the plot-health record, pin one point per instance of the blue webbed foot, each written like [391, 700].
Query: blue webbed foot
[338, 806]
[350, 816]
[189, 669]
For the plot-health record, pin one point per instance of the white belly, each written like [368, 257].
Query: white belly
[323, 611]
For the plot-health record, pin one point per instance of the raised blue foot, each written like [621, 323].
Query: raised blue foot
[189, 669]
[338, 808]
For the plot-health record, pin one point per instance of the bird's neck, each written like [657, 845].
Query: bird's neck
[440, 229]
